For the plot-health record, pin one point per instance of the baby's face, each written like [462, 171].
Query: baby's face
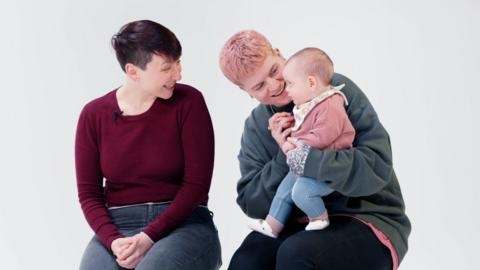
[297, 83]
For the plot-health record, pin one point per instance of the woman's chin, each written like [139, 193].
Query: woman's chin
[165, 94]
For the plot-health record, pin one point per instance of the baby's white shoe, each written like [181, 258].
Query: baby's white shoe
[317, 225]
[261, 226]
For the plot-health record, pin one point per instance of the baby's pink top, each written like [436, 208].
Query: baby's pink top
[326, 126]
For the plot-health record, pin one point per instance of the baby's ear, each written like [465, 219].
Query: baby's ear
[312, 81]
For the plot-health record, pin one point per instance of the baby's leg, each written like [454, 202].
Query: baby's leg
[307, 194]
[279, 210]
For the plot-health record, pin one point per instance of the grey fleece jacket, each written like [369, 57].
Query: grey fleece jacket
[363, 177]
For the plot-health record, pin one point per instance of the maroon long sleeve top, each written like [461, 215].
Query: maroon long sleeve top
[163, 154]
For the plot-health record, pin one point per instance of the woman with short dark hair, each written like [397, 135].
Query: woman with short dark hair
[152, 141]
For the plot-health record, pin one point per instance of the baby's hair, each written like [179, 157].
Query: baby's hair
[314, 62]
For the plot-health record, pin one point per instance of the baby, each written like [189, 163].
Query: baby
[320, 122]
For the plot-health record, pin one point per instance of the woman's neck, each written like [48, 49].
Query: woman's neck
[133, 100]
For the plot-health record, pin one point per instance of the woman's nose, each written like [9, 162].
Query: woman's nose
[177, 73]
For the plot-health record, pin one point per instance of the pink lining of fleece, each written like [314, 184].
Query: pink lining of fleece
[383, 238]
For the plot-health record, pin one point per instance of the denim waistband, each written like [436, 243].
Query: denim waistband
[139, 204]
[129, 217]
[147, 204]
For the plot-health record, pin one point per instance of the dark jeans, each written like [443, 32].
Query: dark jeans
[193, 245]
[345, 244]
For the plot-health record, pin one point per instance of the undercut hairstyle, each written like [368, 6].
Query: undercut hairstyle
[243, 54]
[314, 62]
[137, 41]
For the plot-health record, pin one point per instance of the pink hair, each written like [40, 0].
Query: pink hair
[243, 54]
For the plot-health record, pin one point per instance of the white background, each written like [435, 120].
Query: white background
[418, 62]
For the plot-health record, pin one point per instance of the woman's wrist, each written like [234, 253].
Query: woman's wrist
[147, 237]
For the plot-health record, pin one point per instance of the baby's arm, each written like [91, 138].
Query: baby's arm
[287, 146]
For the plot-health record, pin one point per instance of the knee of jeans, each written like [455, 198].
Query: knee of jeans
[96, 256]
[290, 253]
[300, 193]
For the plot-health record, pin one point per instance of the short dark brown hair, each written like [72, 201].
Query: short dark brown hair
[137, 41]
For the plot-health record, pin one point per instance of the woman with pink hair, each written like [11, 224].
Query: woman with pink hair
[368, 225]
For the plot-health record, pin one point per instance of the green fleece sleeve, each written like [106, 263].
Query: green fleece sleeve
[364, 169]
[262, 167]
